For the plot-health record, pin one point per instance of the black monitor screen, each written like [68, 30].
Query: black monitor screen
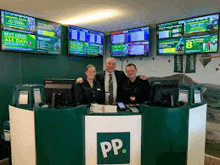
[59, 92]
[164, 93]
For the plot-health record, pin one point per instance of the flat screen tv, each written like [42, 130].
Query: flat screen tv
[21, 33]
[48, 37]
[119, 50]
[188, 36]
[85, 42]
[130, 42]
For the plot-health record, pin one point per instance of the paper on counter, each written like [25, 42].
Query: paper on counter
[99, 108]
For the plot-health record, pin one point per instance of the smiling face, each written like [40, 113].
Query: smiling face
[90, 73]
[110, 65]
[131, 72]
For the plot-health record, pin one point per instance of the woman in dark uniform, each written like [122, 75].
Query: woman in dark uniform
[90, 90]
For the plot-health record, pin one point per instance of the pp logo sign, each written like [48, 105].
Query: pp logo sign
[113, 148]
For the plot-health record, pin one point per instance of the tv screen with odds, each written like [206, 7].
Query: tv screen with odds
[85, 42]
[130, 42]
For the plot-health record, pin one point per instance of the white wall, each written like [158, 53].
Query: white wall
[160, 66]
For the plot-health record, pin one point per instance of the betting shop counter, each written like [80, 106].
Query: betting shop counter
[73, 136]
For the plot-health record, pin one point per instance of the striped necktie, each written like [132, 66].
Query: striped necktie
[110, 89]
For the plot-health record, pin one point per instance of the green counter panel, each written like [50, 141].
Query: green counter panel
[59, 136]
[164, 135]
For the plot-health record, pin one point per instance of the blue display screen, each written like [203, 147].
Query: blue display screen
[130, 42]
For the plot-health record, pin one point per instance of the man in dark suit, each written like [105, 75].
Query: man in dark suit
[117, 78]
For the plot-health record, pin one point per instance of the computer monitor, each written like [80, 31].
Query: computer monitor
[59, 92]
[164, 93]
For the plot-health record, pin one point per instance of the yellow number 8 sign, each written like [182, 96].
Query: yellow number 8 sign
[189, 45]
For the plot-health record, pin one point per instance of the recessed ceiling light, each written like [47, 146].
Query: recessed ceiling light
[96, 17]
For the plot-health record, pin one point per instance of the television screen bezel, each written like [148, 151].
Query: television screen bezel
[131, 42]
[86, 55]
[29, 52]
[199, 33]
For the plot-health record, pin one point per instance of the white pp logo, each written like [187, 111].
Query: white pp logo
[116, 144]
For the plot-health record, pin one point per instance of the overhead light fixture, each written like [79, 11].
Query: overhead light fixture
[99, 16]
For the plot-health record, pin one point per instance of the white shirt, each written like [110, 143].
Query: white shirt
[107, 87]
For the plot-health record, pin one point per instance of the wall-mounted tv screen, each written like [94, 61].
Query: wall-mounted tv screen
[119, 50]
[85, 42]
[18, 41]
[171, 46]
[77, 47]
[194, 35]
[207, 23]
[201, 43]
[17, 22]
[130, 42]
[48, 37]
[192, 44]
[27, 34]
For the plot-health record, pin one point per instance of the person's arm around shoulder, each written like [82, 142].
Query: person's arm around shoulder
[121, 76]
[143, 77]
[79, 80]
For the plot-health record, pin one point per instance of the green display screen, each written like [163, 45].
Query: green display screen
[49, 45]
[201, 24]
[168, 30]
[171, 46]
[201, 44]
[95, 49]
[27, 34]
[78, 48]
[119, 50]
[17, 22]
[194, 35]
[193, 44]
[45, 28]
[85, 48]
[18, 41]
